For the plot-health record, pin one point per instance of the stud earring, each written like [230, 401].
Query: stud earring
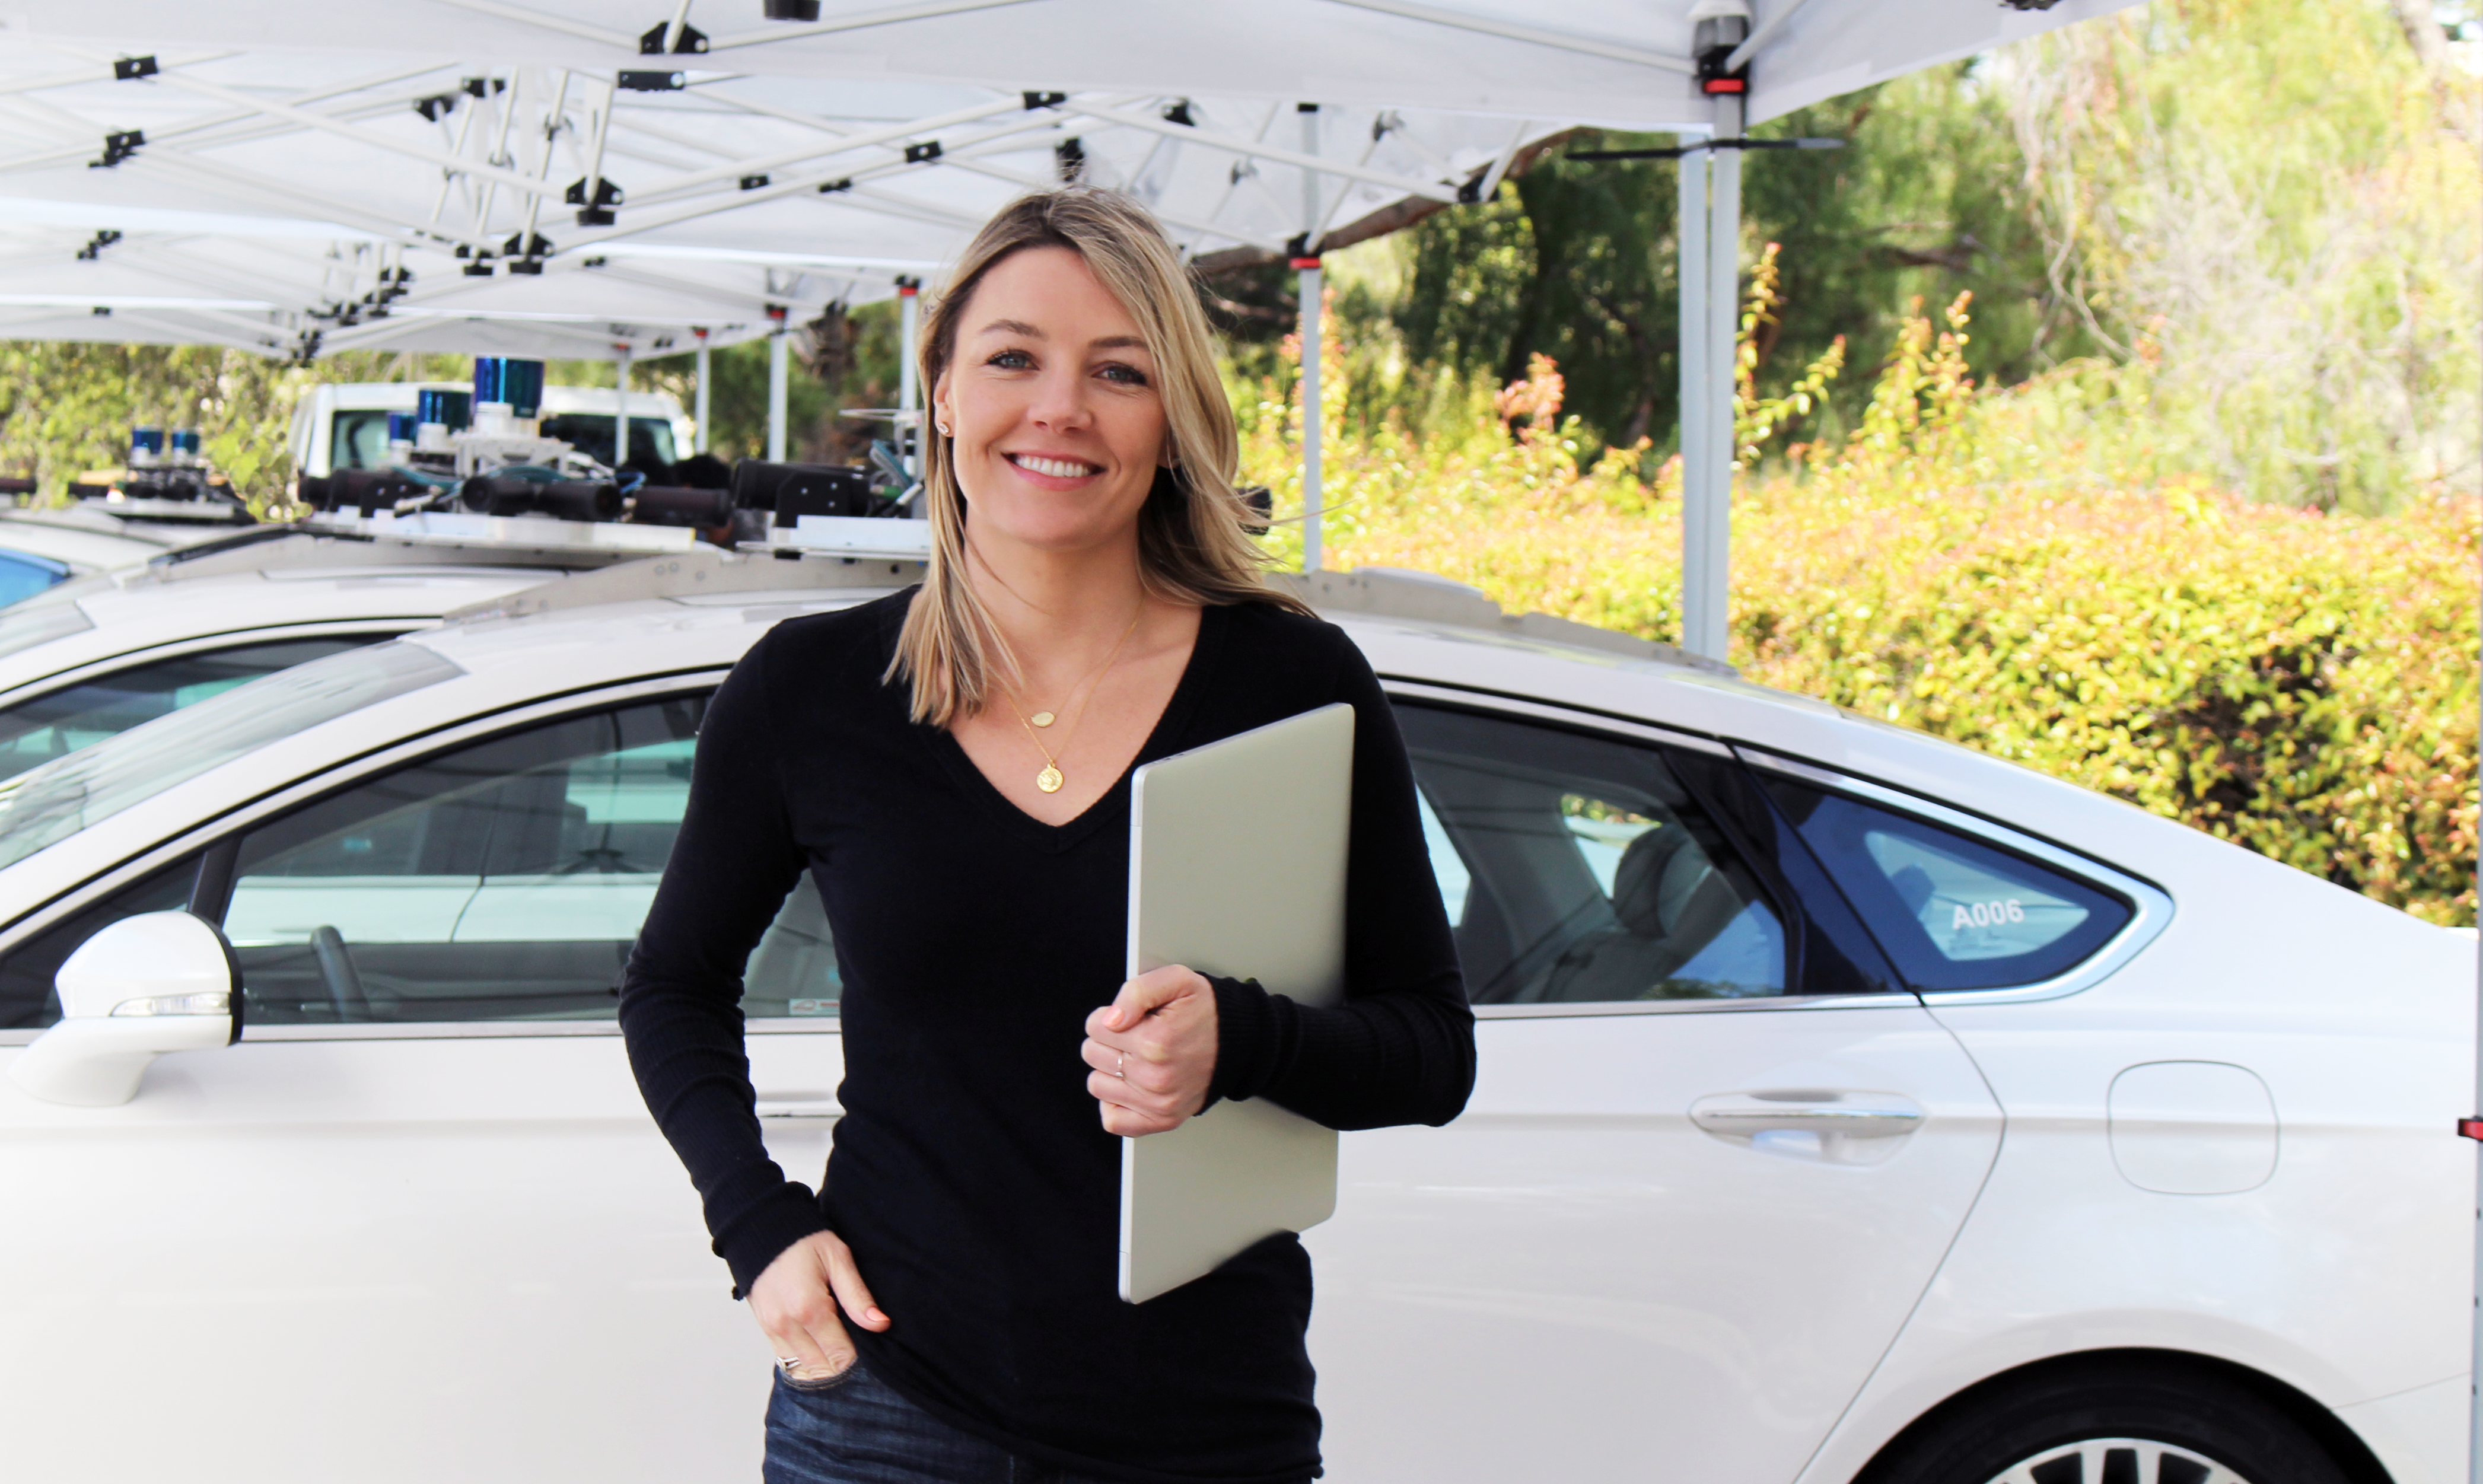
[943, 426]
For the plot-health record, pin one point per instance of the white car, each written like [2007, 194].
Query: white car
[96, 655]
[1850, 1107]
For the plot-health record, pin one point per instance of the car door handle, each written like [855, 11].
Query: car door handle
[1852, 1115]
[783, 1106]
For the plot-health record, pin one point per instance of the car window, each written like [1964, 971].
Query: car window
[502, 882]
[23, 575]
[1954, 912]
[55, 725]
[46, 804]
[1579, 869]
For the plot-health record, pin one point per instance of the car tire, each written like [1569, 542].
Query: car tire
[2126, 1419]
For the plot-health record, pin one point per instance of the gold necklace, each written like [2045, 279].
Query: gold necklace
[1047, 718]
[1050, 778]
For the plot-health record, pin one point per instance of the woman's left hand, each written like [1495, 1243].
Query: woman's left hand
[1153, 1052]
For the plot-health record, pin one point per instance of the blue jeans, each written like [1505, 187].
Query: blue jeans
[853, 1429]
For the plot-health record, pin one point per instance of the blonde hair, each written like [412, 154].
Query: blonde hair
[1193, 542]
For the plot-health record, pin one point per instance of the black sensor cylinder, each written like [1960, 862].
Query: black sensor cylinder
[561, 500]
[677, 505]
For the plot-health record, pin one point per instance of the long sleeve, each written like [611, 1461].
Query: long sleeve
[732, 865]
[1400, 1048]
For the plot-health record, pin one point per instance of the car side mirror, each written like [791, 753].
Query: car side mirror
[163, 981]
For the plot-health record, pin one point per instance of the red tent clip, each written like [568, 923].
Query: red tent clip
[2471, 1128]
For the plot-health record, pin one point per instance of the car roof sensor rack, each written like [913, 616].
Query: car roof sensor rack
[466, 531]
[1425, 597]
[695, 573]
[855, 536]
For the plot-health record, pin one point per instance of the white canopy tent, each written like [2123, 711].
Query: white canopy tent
[700, 160]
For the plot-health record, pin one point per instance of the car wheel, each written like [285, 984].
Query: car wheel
[2124, 1421]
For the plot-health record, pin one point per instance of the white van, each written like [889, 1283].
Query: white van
[344, 425]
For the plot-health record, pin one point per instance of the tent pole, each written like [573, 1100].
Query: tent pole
[776, 386]
[1307, 289]
[699, 406]
[621, 408]
[2474, 1370]
[1712, 636]
[909, 375]
[1691, 278]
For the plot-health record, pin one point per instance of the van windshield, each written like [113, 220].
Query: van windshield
[359, 438]
[46, 805]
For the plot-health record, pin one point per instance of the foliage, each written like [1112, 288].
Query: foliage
[2301, 683]
[2275, 203]
[2265, 212]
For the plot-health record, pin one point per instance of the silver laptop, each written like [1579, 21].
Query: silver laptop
[1236, 867]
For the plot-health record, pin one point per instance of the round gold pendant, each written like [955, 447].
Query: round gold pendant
[1049, 780]
[1041, 718]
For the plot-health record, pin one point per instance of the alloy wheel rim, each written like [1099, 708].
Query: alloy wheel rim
[2118, 1461]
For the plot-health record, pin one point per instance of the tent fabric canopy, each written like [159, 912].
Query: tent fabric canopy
[280, 162]
[1623, 63]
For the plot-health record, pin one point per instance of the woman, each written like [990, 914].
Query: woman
[951, 766]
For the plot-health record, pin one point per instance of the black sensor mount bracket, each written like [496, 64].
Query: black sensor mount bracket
[1069, 158]
[918, 154]
[437, 106]
[130, 69]
[754, 182]
[653, 82]
[1178, 112]
[1035, 99]
[832, 187]
[479, 86]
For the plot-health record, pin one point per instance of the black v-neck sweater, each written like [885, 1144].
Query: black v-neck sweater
[971, 1173]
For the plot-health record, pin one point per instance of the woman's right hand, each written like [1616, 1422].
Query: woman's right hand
[796, 1301]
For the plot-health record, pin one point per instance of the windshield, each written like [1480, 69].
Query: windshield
[359, 440]
[51, 803]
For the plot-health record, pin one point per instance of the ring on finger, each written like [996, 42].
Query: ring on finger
[788, 1363]
[1121, 1068]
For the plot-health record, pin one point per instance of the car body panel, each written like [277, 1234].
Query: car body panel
[438, 1230]
[1575, 1211]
